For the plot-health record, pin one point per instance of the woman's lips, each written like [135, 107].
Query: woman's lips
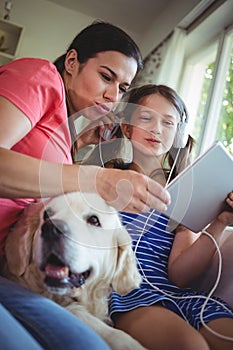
[102, 108]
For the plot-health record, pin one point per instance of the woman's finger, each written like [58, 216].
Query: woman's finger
[127, 190]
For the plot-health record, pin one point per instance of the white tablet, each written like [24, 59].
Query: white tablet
[198, 193]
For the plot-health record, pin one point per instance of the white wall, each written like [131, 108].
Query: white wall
[48, 28]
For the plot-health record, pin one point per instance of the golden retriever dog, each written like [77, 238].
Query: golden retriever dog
[74, 250]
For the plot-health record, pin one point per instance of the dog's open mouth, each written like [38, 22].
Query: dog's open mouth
[59, 278]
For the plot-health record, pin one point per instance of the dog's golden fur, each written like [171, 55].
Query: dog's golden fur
[94, 240]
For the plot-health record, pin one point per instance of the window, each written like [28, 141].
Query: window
[209, 94]
[207, 88]
[195, 89]
[224, 131]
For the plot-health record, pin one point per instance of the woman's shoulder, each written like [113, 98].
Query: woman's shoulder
[27, 61]
[26, 83]
[29, 67]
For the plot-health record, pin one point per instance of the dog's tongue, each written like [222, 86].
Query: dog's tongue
[58, 272]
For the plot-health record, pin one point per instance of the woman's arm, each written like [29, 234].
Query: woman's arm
[191, 253]
[27, 177]
[22, 176]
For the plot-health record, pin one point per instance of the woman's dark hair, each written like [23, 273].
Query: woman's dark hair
[98, 37]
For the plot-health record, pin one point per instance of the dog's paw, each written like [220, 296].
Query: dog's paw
[120, 340]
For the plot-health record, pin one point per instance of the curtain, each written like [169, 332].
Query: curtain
[164, 64]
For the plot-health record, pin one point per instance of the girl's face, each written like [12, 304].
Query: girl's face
[153, 126]
[97, 83]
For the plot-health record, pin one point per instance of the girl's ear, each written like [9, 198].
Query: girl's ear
[127, 130]
[71, 61]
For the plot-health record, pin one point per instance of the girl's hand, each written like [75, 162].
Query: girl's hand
[226, 217]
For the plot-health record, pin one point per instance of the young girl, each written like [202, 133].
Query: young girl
[164, 313]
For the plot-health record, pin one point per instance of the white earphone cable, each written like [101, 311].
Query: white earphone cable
[100, 152]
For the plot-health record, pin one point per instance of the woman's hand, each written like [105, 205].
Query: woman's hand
[92, 133]
[130, 191]
[125, 190]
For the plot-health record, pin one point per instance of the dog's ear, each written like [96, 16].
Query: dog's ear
[126, 276]
[18, 248]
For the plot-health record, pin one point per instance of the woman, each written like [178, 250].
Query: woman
[165, 313]
[97, 69]
[36, 98]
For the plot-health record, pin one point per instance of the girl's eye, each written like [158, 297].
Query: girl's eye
[145, 118]
[168, 122]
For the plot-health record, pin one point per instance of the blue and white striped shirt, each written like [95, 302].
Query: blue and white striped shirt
[153, 243]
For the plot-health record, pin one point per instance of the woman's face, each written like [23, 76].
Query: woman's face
[153, 126]
[98, 83]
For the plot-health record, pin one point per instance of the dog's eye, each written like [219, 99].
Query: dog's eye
[93, 220]
[47, 213]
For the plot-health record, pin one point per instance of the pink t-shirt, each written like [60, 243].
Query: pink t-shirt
[36, 88]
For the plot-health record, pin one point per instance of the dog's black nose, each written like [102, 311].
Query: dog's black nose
[53, 229]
